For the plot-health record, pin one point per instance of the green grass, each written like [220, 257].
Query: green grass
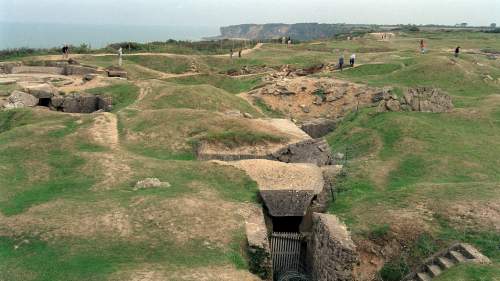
[239, 138]
[372, 69]
[229, 84]
[38, 260]
[199, 97]
[123, 94]
[162, 63]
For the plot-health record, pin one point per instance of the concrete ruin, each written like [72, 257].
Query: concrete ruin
[259, 250]
[47, 96]
[66, 67]
[287, 190]
[320, 127]
[289, 238]
[422, 99]
[298, 147]
[332, 254]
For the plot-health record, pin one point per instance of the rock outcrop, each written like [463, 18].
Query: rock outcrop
[418, 99]
[332, 253]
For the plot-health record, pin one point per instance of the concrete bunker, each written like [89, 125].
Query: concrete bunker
[290, 239]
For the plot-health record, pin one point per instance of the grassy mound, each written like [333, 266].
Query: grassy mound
[199, 97]
[231, 85]
[172, 133]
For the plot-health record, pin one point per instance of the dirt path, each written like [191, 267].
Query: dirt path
[105, 130]
[164, 75]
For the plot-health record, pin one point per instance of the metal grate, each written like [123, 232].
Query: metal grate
[285, 249]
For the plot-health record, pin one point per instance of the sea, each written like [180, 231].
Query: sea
[47, 35]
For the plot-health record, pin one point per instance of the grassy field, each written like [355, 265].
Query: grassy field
[69, 210]
[411, 176]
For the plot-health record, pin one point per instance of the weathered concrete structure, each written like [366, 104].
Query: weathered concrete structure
[332, 254]
[259, 251]
[315, 151]
[318, 128]
[286, 189]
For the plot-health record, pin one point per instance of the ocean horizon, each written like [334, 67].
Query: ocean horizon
[48, 35]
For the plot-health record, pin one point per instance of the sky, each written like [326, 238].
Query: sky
[228, 12]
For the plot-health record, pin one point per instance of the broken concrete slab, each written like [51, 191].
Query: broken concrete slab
[18, 99]
[318, 128]
[315, 151]
[41, 91]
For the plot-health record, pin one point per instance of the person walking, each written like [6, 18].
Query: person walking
[422, 46]
[65, 51]
[457, 51]
[352, 60]
[341, 63]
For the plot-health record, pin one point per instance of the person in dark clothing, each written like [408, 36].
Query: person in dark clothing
[239, 53]
[457, 51]
[341, 63]
[65, 50]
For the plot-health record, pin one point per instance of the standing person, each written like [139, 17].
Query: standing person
[457, 51]
[422, 46]
[120, 55]
[63, 51]
[231, 53]
[341, 62]
[239, 53]
[289, 42]
[352, 60]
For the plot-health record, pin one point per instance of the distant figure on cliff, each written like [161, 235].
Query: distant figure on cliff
[65, 52]
[457, 51]
[352, 60]
[341, 62]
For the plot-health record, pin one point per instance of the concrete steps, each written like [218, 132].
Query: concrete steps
[446, 259]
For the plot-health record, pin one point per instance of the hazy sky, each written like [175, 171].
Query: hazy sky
[226, 12]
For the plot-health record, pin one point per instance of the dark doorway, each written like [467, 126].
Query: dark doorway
[44, 102]
[286, 224]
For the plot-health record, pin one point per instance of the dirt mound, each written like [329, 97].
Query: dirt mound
[307, 98]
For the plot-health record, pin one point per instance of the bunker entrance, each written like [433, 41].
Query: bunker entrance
[286, 224]
[44, 102]
[288, 249]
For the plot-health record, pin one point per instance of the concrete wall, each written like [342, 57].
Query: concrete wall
[331, 252]
[259, 250]
[37, 69]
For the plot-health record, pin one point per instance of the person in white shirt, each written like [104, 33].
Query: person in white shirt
[120, 55]
[352, 60]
